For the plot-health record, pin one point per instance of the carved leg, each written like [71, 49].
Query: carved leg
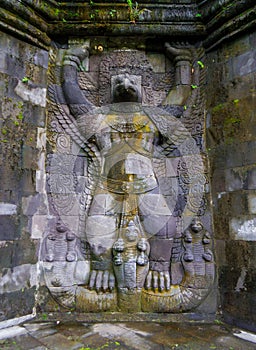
[159, 265]
[101, 234]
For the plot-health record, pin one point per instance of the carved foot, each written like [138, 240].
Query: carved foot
[158, 281]
[102, 281]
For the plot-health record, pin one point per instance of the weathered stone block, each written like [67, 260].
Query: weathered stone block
[6, 252]
[251, 179]
[252, 203]
[18, 303]
[41, 58]
[220, 249]
[40, 181]
[15, 67]
[8, 208]
[239, 308]
[12, 83]
[35, 204]
[3, 63]
[9, 227]
[234, 179]
[245, 63]
[158, 62]
[241, 254]
[34, 115]
[218, 182]
[38, 227]
[29, 157]
[235, 155]
[33, 94]
[24, 251]
[18, 278]
[28, 181]
[249, 152]
[242, 87]
[243, 228]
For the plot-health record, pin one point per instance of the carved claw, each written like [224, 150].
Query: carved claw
[105, 280]
[99, 281]
[149, 280]
[111, 281]
[80, 52]
[161, 281]
[164, 281]
[155, 281]
[92, 279]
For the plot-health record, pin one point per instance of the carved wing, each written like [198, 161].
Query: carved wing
[194, 110]
[67, 124]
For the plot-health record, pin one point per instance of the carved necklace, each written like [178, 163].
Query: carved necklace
[127, 117]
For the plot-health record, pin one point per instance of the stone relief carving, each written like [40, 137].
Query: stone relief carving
[126, 186]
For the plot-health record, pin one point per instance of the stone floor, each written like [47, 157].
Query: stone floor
[62, 334]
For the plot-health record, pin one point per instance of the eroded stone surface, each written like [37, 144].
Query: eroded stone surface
[129, 335]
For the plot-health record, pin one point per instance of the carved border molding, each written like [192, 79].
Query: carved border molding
[23, 20]
[40, 21]
[224, 19]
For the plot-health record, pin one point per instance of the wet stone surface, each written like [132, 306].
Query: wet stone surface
[61, 335]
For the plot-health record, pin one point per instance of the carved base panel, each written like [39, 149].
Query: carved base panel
[91, 301]
[179, 298]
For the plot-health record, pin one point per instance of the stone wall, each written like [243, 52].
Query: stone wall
[231, 132]
[23, 80]
[231, 142]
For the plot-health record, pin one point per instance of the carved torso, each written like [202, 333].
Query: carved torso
[125, 138]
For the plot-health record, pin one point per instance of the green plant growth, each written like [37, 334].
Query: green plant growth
[134, 10]
[200, 63]
[25, 80]
[110, 345]
[112, 13]
[44, 317]
[93, 11]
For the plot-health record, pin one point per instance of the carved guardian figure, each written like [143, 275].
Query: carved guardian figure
[134, 253]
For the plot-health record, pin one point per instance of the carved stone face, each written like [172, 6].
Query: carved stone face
[196, 225]
[131, 233]
[126, 88]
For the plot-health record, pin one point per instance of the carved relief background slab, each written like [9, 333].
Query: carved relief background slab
[127, 181]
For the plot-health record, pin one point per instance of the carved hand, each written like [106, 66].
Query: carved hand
[80, 52]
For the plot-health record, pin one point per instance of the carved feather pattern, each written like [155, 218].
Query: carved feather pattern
[68, 124]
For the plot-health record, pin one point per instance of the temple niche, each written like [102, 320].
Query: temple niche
[130, 227]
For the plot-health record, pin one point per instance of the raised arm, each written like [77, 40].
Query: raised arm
[181, 58]
[75, 98]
